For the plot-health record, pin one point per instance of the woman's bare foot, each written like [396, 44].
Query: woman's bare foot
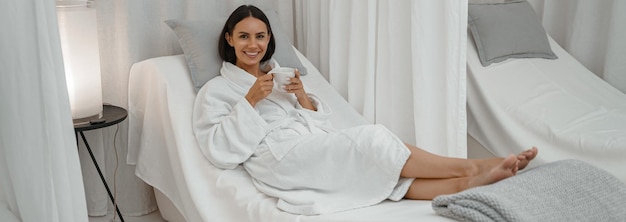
[526, 156]
[506, 168]
[483, 165]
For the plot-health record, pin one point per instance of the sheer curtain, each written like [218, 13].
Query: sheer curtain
[592, 31]
[40, 178]
[399, 63]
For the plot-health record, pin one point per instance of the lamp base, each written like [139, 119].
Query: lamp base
[95, 119]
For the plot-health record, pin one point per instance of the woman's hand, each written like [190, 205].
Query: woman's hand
[261, 88]
[297, 88]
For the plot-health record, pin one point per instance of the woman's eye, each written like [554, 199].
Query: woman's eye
[260, 36]
[243, 36]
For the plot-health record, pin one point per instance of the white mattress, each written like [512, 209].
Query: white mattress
[164, 149]
[557, 105]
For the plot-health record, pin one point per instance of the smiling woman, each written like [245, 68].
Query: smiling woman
[286, 142]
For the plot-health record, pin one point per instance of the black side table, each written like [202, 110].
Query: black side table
[111, 115]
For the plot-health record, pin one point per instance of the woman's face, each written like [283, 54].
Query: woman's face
[249, 39]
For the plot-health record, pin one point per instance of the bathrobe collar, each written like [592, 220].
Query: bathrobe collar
[242, 79]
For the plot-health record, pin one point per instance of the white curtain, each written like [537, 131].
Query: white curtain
[592, 31]
[40, 177]
[399, 63]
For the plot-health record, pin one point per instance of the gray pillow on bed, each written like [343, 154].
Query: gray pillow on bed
[199, 40]
[507, 30]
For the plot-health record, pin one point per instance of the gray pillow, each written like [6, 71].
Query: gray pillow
[199, 40]
[507, 30]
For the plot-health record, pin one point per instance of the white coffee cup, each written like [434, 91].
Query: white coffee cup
[282, 76]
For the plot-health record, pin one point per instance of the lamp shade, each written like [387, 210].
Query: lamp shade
[81, 57]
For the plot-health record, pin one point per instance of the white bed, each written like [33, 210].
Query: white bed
[557, 105]
[162, 145]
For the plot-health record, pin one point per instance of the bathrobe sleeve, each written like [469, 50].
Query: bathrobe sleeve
[228, 129]
[319, 117]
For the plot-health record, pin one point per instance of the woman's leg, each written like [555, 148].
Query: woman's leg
[427, 189]
[422, 164]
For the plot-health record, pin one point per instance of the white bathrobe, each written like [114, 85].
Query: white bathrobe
[293, 153]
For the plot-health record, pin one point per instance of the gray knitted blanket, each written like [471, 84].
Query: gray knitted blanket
[566, 190]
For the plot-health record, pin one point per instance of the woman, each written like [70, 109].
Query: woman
[286, 144]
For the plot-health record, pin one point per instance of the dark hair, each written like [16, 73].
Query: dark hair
[227, 52]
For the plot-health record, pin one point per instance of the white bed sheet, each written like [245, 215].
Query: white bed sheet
[164, 149]
[557, 105]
